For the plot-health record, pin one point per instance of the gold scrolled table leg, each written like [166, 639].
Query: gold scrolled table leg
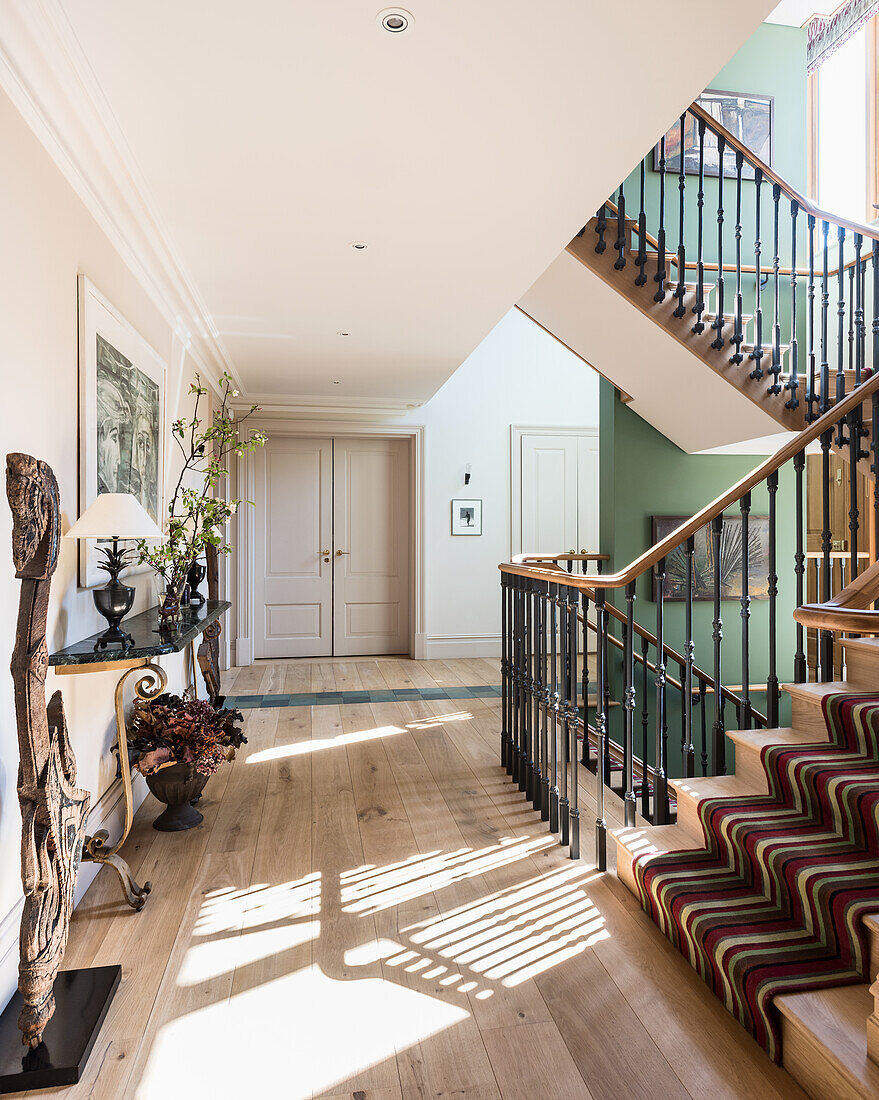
[150, 683]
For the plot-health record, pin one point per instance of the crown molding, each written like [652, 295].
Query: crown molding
[299, 407]
[48, 78]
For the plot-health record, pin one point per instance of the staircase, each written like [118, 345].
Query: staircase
[827, 1044]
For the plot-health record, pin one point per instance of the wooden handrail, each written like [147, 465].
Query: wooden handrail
[806, 205]
[732, 496]
[851, 609]
[561, 557]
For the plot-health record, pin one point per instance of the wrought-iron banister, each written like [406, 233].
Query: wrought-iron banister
[550, 618]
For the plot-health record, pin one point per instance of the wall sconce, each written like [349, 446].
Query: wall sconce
[467, 474]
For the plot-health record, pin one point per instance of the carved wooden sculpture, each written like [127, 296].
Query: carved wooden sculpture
[53, 810]
[209, 649]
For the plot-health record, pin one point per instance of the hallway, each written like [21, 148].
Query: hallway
[370, 910]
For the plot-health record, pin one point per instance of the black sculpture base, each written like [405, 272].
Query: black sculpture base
[82, 998]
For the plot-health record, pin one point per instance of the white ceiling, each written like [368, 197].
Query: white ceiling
[270, 134]
[794, 13]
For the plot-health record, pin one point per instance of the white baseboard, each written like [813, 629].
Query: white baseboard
[243, 652]
[107, 813]
[441, 646]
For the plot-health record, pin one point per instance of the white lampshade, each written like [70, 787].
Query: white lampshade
[115, 515]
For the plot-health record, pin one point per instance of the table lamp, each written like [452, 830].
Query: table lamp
[114, 516]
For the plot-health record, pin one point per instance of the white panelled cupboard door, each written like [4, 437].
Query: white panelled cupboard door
[294, 523]
[549, 493]
[371, 551]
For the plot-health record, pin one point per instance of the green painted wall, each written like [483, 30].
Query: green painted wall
[644, 474]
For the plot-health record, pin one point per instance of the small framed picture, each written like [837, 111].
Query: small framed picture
[466, 517]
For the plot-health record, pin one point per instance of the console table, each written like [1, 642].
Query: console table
[136, 660]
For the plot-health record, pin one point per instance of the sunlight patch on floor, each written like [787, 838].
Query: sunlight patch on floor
[212, 958]
[302, 748]
[383, 888]
[439, 720]
[229, 910]
[290, 1038]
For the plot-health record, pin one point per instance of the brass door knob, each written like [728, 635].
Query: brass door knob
[339, 553]
[323, 551]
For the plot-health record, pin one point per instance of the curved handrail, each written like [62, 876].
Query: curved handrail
[851, 609]
[733, 495]
[788, 189]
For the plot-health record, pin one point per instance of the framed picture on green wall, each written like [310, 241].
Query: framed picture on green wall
[675, 587]
[749, 117]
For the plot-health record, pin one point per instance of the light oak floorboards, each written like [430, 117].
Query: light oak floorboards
[371, 909]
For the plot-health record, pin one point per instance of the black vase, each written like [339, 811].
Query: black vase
[194, 577]
[177, 786]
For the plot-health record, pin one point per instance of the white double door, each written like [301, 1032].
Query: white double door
[558, 487]
[331, 547]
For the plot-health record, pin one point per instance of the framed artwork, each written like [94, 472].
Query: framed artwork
[121, 416]
[749, 117]
[675, 587]
[466, 517]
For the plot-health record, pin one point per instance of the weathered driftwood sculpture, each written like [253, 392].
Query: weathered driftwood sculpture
[209, 649]
[53, 810]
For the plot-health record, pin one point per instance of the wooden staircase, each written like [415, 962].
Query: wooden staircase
[830, 1038]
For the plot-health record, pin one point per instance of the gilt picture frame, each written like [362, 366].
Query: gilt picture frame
[675, 586]
[122, 384]
[749, 116]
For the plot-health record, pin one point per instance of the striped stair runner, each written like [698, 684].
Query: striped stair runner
[772, 903]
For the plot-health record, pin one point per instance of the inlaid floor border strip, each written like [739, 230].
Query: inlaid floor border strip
[341, 698]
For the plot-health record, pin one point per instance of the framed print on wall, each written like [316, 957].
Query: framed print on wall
[749, 117]
[121, 416]
[675, 587]
[466, 517]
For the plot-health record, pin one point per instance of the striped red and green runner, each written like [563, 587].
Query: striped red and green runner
[772, 903]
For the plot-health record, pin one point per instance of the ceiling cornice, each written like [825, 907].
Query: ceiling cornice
[47, 76]
[285, 406]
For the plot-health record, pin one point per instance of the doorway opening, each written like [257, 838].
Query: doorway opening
[332, 546]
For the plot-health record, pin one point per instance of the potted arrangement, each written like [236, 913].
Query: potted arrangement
[197, 517]
[177, 743]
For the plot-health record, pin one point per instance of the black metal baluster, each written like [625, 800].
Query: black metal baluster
[554, 708]
[745, 708]
[564, 716]
[704, 730]
[505, 674]
[717, 342]
[775, 369]
[690, 657]
[573, 724]
[543, 699]
[772, 690]
[645, 727]
[586, 757]
[826, 636]
[718, 746]
[641, 277]
[519, 774]
[854, 516]
[825, 335]
[840, 344]
[601, 228]
[536, 696]
[620, 261]
[793, 377]
[812, 394]
[799, 568]
[661, 269]
[757, 351]
[699, 306]
[660, 771]
[601, 729]
[629, 707]
[738, 335]
[859, 310]
[531, 765]
[681, 289]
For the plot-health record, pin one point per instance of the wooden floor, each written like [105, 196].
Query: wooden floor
[370, 910]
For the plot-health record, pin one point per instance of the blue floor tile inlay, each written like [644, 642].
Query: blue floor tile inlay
[340, 698]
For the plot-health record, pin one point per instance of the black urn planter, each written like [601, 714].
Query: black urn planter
[178, 786]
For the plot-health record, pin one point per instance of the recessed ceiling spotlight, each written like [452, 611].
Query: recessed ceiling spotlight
[359, 246]
[340, 333]
[337, 381]
[395, 20]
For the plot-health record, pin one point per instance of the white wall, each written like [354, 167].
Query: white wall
[48, 237]
[518, 375]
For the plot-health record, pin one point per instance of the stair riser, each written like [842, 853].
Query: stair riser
[805, 1062]
[807, 716]
[861, 671]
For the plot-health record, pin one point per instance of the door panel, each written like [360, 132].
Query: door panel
[371, 551]
[549, 489]
[293, 585]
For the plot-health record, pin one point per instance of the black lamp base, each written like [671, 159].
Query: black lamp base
[114, 601]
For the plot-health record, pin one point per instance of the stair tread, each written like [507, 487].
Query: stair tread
[714, 786]
[836, 1022]
[758, 739]
[816, 692]
[865, 644]
[657, 838]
